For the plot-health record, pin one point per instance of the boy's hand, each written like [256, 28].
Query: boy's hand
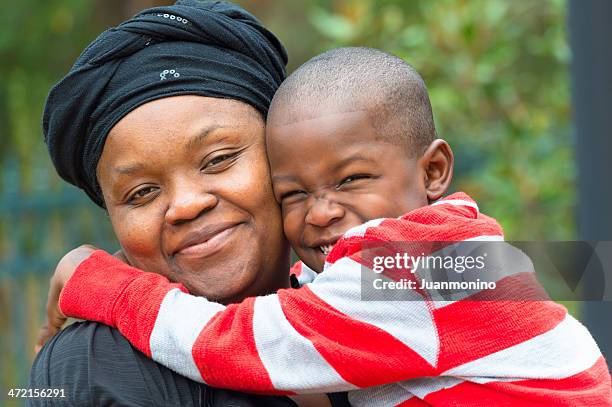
[64, 270]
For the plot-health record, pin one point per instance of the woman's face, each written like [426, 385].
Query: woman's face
[186, 183]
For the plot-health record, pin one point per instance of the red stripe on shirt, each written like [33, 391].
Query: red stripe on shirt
[464, 340]
[218, 364]
[362, 354]
[587, 388]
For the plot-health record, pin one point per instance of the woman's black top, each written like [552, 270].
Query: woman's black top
[97, 366]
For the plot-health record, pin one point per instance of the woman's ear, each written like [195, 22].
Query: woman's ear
[437, 162]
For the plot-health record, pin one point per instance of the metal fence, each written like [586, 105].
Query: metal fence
[41, 218]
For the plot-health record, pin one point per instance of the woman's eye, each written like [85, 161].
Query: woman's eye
[218, 160]
[352, 178]
[141, 193]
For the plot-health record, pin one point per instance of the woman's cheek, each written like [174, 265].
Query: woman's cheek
[141, 242]
[259, 173]
[248, 184]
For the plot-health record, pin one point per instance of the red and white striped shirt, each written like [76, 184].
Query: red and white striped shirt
[323, 337]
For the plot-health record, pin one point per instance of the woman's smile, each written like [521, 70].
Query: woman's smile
[208, 240]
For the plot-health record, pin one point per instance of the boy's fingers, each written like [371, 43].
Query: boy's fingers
[44, 334]
[56, 322]
[40, 339]
[65, 268]
[55, 319]
[52, 325]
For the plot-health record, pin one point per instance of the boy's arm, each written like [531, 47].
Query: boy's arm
[320, 338]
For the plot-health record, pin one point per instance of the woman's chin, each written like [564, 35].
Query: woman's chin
[223, 282]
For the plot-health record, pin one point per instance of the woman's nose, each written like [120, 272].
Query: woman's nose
[324, 212]
[188, 202]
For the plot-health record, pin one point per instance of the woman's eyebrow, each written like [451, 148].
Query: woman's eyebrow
[129, 169]
[197, 140]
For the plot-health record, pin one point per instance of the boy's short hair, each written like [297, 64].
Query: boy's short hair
[360, 78]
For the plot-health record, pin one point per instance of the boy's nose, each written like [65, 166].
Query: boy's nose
[188, 202]
[324, 212]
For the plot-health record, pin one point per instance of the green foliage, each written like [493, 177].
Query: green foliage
[37, 45]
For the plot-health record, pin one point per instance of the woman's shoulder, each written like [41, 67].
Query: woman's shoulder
[83, 349]
[86, 337]
[96, 365]
[73, 348]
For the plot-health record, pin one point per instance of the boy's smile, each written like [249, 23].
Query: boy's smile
[331, 172]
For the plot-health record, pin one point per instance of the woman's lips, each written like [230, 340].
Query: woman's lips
[208, 245]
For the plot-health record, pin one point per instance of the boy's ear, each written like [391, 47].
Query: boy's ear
[437, 162]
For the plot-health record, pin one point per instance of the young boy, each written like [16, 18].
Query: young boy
[351, 141]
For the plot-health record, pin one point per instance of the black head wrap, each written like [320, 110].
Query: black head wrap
[211, 49]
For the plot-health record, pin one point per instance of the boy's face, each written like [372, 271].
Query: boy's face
[331, 172]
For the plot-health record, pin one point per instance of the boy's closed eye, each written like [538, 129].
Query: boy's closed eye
[293, 196]
[351, 179]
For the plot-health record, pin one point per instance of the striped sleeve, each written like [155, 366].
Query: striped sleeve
[323, 338]
[255, 345]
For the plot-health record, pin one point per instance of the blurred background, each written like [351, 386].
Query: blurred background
[498, 73]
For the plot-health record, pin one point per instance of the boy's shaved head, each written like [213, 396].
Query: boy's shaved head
[350, 137]
[359, 78]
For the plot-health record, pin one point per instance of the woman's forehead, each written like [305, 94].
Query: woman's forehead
[188, 111]
[174, 129]
[182, 119]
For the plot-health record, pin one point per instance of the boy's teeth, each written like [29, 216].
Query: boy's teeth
[326, 249]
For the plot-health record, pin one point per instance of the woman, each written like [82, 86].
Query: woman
[169, 105]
